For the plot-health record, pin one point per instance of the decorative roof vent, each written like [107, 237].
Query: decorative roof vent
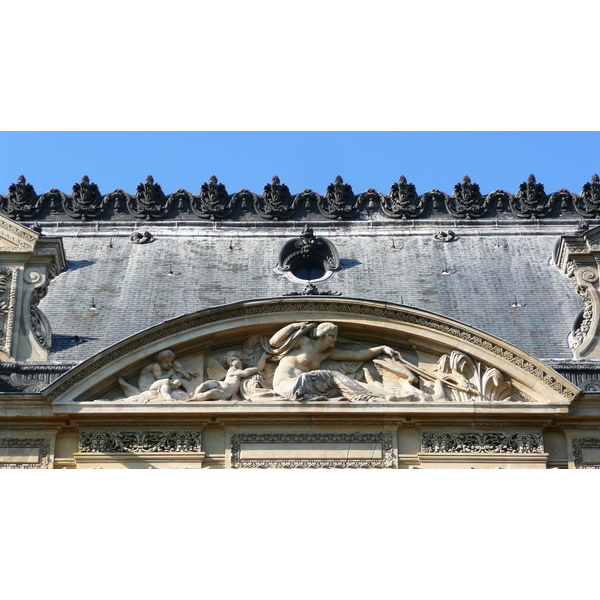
[308, 258]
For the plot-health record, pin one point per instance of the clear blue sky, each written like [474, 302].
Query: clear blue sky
[301, 159]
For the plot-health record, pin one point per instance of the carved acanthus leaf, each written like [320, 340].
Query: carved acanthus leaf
[214, 201]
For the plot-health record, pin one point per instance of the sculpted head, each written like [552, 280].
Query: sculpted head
[165, 358]
[233, 357]
[327, 333]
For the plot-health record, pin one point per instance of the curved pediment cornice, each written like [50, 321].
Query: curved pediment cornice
[396, 325]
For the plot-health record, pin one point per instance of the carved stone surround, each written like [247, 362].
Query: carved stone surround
[375, 450]
[581, 447]
[25, 453]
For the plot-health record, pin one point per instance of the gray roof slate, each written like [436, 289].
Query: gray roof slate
[489, 266]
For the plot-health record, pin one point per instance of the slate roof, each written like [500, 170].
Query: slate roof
[489, 265]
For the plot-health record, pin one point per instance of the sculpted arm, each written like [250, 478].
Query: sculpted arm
[283, 334]
[362, 355]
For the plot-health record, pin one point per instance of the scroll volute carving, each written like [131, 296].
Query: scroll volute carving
[578, 257]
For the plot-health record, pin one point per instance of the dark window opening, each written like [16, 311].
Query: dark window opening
[308, 272]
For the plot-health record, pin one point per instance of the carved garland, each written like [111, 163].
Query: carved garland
[387, 460]
[42, 444]
[539, 372]
[482, 443]
[139, 441]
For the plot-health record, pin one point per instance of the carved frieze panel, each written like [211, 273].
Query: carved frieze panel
[139, 441]
[482, 443]
[312, 450]
[25, 453]
[586, 453]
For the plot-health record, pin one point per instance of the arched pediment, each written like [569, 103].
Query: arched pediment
[454, 366]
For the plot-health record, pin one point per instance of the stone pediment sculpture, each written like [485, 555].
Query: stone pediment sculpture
[306, 362]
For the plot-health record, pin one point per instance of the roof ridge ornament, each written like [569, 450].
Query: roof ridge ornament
[467, 201]
[276, 201]
[339, 201]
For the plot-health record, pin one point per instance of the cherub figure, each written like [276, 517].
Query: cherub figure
[165, 366]
[226, 384]
[159, 377]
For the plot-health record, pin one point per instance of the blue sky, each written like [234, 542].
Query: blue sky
[301, 159]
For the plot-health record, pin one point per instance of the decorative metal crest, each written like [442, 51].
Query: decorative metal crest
[436, 198]
[588, 202]
[276, 201]
[149, 201]
[86, 201]
[466, 201]
[339, 201]
[214, 201]
[402, 202]
[21, 200]
[531, 200]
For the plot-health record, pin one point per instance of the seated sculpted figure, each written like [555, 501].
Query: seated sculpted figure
[159, 378]
[227, 388]
[301, 348]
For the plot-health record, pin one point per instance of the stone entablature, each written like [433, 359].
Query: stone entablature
[28, 262]
[276, 202]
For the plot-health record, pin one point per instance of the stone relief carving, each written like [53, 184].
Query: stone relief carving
[139, 441]
[163, 379]
[306, 362]
[482, 443]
